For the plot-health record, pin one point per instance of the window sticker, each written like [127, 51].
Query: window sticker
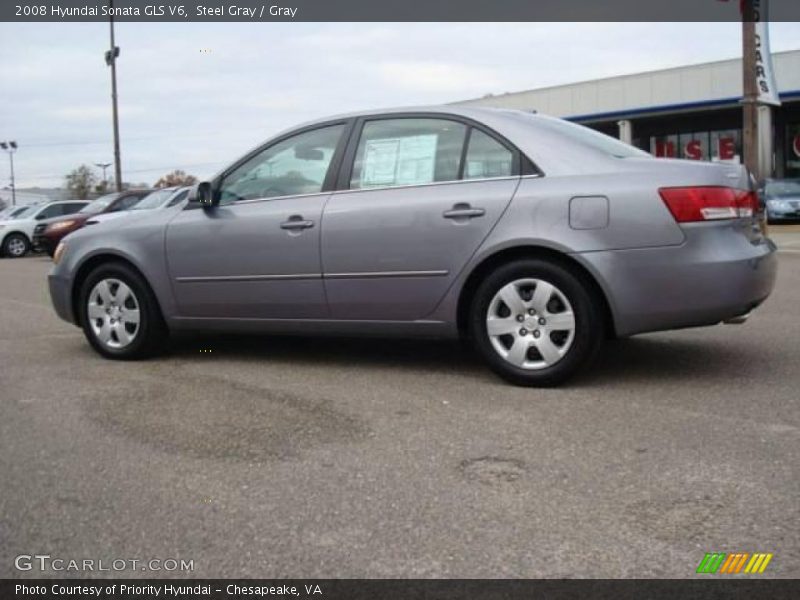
[399, 161]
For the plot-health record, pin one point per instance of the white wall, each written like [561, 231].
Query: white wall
[696, 83]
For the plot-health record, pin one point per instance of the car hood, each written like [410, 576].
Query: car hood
[141, 219]
[105, 217]
[63, 218]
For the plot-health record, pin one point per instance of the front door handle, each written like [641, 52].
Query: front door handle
[463, 210]
[296, 222]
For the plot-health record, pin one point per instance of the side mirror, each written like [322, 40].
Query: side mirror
[203, 194]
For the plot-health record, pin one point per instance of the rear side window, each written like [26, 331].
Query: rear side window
[73, 207]
[486, 157]
[396, 152]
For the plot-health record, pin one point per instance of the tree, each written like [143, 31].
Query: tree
[81, 181]
[176, 178]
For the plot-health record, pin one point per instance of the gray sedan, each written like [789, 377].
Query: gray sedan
[533, 237]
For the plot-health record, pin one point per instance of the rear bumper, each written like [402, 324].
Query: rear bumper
[716, 275]
[61, 297]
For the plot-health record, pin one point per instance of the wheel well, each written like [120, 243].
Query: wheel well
[89, 266]
[10, 233]
[520, 252]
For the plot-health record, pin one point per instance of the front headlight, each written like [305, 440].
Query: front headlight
[59, 253]
[60, 225]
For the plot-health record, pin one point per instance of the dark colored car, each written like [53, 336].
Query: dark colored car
[49, 232]
[782, 199]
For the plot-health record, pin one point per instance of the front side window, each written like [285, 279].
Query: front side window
[486, 157]
[54, 210]
[395, 152]
[297, 165]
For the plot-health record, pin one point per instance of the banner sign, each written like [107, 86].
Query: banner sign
[765, 74]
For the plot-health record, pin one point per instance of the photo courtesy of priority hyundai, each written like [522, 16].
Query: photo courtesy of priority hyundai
[425, 300]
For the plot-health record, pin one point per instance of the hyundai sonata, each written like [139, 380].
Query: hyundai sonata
[534, 237]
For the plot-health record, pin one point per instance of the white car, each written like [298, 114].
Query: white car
[163, 198]
[16, 234]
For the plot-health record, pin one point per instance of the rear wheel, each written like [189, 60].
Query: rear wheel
[16, 245]
[119, 313]
[535, 322]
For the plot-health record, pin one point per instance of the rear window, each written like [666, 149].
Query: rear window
[589, 137]
[786, 188]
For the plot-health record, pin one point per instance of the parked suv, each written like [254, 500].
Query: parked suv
[533, 237]
[16, 234]
[48, 233]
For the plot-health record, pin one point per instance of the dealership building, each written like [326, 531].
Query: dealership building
[691, 112]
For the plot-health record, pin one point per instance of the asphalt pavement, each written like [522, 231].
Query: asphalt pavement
[306, 457]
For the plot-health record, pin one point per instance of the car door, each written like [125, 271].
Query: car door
[257, 254]
[421, 194]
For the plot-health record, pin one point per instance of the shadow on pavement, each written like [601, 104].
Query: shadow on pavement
[627, 360]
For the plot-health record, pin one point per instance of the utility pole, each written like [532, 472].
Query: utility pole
[11, 147]
[111, 60]
[750, 89]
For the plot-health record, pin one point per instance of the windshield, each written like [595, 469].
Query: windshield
[786, 188]
[96, 206]
[15, 212]
[26, 212]
[154, 199]
[589, 137]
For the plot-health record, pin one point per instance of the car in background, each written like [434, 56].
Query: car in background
[48, 233]
[161, 198]
[16, 234]
[782, 199]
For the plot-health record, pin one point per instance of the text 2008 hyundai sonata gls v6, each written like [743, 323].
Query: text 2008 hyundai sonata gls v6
[535, 237]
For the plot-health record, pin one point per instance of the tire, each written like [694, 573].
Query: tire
[16, 245]
[108, 299]
[541, 348]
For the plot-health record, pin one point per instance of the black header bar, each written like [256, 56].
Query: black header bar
[388, 10]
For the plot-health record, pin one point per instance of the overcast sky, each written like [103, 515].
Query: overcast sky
[195, 96]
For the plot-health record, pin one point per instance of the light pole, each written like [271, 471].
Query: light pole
[103, 166]
[11, 147]
[111, 60]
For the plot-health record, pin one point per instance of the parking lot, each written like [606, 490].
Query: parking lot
[308, 457]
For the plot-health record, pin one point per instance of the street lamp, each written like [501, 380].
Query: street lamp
[111, 56]
[103, 166]
[11, 147]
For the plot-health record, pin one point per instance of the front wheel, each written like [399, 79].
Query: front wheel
[119, 313]
[535, 322]
[16, 245]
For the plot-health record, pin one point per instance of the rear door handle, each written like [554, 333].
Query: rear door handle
[462, 210]
[297, 222]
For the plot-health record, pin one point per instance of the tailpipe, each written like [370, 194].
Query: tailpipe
[738, 320]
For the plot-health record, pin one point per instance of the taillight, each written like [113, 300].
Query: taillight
[691, 204]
